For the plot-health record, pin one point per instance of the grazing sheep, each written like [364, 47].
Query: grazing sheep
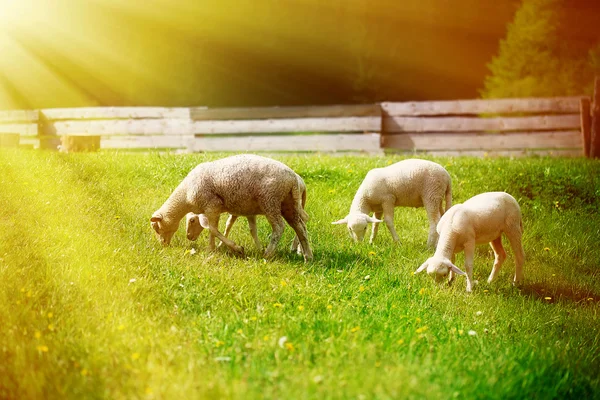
[481, 219]
[243, 185]
[195, 224]
[408, 183]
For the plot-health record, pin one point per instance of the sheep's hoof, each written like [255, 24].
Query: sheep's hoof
[239, 251]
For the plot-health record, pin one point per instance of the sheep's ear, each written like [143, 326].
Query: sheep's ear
[373, 220]
[422, 267]
[456, 269]
[156, 218]
[203, 221]
[341, 221]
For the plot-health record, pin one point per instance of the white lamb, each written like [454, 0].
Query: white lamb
[481, 219]
[408, 183]
[242, 185]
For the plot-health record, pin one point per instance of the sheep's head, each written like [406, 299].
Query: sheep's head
[357, 225]
[439, 268]
[194, 225]
[164, 228]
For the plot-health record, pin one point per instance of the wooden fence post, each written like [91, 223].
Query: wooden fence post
[47, 137]
[586, 124]
[595, 139]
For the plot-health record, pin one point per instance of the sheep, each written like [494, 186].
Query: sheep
[195, 224]
[408, 183]
[481, 219]
[244, 185]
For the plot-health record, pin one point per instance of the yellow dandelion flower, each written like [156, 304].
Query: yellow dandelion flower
[148, 390]
[277, 305]
[50, 327]
[329, 306]
[546, 248]
[422, 291]
[485, 291]
[300, 308]
[590, 299]
[121, 327]
[42, 349]
[372, 253]
[135, 356]
[29, 294]
[355, 329]
[22, 290]
[421, 329]
[400, 341]
[547, 298]
[219, 343]
[253, 318]
[37, 334]
[266, 338]
[361, 288]
[84, 372]
[331, 191]
[418, 320]
[50, 315]
[389, 162]
[460, 331]
[330, 285]
[349, 171]
[240, 331]
[283, 283]
[289, 346]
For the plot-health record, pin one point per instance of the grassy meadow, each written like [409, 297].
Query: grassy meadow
[92, 306]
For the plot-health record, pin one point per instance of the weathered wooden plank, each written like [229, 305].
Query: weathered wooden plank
[326, 143]
[494, 153]
[146, 142]
[18, 116]
[28, 129]
[586, 125]
[455, 141]
[475, 124]
[186, 126]
[249, 113]
[100, 113]
[479, 106]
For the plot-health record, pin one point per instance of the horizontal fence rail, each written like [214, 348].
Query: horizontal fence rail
[500, 126]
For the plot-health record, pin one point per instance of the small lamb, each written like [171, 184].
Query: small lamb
[408, 183]
[195, 224]
[481, 219]
[245, 185]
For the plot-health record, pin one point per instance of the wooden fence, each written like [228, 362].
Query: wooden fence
[560, 126]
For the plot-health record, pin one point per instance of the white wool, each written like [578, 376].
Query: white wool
[481, 219]
[243, 185]
[408, 183]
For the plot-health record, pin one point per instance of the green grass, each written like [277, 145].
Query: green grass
[92, 307]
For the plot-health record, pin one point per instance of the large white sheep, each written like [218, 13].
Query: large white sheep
[481, 219]
[244, 185]
[196, 223]
[408, 183]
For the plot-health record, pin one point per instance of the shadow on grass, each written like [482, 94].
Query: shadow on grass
[553, 293]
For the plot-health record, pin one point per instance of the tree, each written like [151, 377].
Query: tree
[551, 49]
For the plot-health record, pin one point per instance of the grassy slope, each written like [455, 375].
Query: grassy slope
[91, 306]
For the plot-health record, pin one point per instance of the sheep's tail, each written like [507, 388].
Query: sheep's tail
[448, 196]
[299, 196]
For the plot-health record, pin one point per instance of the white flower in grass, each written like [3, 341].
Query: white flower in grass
[478, 313]
[281, 341]
[472, 333]
[132, 280]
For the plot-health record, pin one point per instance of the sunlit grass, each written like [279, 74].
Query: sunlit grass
[92, 306]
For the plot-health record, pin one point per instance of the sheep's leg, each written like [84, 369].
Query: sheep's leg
[378, 215]
[499, 257]
[299, 226]
[451, 274]
[296, 245]
[228, 226]
[469, 257]
[433, 214]
[278, 226]
[514, 237]
[253, 232]
[388, 217]
[213, 226]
